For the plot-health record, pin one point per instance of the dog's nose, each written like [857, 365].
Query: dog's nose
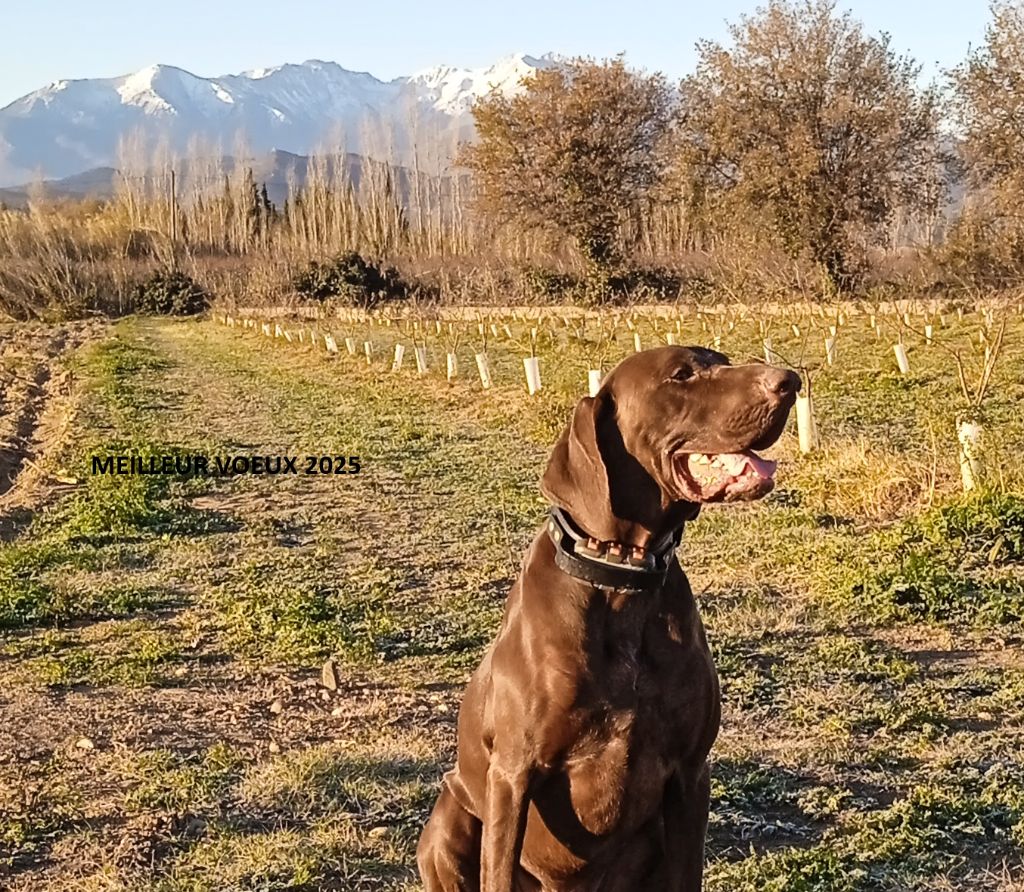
[780, 384]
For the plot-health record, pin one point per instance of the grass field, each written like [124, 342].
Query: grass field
[163, 720]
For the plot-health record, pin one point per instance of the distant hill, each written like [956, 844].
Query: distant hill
[98, 183]
[276, 170]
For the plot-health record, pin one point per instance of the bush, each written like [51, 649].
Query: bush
[351, 279]
[981, 252]
[542, 284]
[624, 284]
[170, 293]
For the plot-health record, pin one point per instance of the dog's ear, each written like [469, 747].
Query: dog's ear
[605, 489]
[577, 475]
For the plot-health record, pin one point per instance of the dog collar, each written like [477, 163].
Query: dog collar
[610, 566]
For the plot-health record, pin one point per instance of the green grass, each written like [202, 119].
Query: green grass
[963, 560]
[270, 613]
[110, 522]
[932, 831]
[37, 810]
[162, 779]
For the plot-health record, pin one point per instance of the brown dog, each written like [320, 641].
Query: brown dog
[585, 731]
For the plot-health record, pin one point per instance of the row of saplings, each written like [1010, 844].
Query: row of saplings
[348, 278]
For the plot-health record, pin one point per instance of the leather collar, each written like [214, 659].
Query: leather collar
[610, 566]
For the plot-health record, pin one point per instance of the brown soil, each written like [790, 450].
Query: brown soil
[36, 411]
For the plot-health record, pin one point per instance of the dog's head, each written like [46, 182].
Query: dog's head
[670, 429]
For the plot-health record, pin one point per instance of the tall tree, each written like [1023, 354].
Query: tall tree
[810, 125]
[573, 153]
[988, 104]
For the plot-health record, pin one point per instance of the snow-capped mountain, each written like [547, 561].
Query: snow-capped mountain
[74, 125]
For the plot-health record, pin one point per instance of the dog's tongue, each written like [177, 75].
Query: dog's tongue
[761, 466]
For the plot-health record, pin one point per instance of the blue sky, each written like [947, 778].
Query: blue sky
[48, 40]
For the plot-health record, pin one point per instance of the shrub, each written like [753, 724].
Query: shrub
[170, 293]
[351, 279]
[990, 527]
[624, 284]
[543, 284]
[981, 251]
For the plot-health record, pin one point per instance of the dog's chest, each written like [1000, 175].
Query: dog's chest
[635, 720]
[613, 779]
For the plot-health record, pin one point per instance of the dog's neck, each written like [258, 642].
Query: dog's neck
[644, 526]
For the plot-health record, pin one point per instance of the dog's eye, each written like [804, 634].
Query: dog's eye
[682, 374]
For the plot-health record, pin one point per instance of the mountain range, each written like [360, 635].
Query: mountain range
[71, 127]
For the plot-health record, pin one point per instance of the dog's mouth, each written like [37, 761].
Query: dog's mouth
[724, 476]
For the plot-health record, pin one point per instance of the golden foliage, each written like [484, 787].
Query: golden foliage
[809, 129]
[573, 155]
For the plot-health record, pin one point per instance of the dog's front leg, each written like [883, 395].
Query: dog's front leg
[685, 813]
[504, 824]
